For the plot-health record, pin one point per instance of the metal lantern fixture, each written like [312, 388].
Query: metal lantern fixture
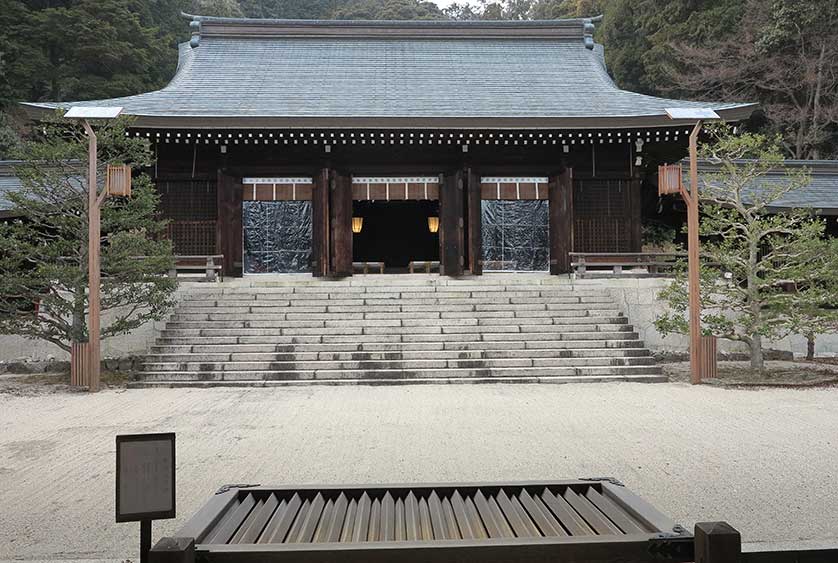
[433, 224]
[357, 224]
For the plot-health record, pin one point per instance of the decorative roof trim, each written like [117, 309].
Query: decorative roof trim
[207, 26]
[730, 114]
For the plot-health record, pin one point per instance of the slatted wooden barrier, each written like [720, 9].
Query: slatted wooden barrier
[535, 521]
[79, 364]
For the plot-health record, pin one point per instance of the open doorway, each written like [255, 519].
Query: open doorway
[395, 233]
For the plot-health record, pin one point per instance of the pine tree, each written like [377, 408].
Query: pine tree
[43, 253]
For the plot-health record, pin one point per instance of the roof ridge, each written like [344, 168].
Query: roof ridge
[570, 29]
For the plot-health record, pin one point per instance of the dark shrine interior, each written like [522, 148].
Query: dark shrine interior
[395, 232]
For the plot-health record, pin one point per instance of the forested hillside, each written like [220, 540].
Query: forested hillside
[781, 53]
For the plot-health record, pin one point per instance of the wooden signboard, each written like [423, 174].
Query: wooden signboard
[145, 477]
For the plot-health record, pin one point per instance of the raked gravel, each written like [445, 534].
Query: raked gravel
[765, 461]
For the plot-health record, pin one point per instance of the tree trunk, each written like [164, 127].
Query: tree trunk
[810, 346]
[757, 360]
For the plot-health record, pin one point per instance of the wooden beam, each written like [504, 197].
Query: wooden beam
[635, 214]
[560, 195]
[340, 208]
[229, 230]
[451, 224]
[475, 223]
[320, 234]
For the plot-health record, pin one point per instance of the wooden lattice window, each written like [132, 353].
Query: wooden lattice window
[603, 215]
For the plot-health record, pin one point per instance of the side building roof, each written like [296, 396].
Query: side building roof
[398, 74]
[9, 182]
[820, 194]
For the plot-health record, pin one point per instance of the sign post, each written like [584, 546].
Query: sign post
[145, 482]
[691, 198]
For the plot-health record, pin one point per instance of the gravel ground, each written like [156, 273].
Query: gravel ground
[765, 461]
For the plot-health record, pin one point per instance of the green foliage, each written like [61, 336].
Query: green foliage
[762, 275]
[387, 10]
[659, 235]
[43, 254]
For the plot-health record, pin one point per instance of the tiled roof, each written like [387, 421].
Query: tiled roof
[821, 193]
[263, 73]
[9, 182]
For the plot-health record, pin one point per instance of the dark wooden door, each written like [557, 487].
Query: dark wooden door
[451, 224]
[320, 232]
[340, 218]
[561, 221]
[229, 230]
[475, 223]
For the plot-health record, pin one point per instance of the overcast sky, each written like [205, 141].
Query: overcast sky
[444, 3]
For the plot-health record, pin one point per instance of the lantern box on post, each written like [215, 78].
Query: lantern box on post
[670, 179]
[118, 182]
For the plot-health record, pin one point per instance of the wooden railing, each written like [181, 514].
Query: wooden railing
[630, 264]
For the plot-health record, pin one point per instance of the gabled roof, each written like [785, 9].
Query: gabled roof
[820, 194]
[304, 73]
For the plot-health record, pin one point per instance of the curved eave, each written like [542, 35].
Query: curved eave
[730, 114]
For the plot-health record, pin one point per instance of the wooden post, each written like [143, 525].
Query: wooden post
[475, 224]
[560, 194]
[340, 207]
[320, 225]
[93, 265]
[451, 224]
[173, 550]
[692, 200]
[635, 215]
[145, 540]
[717, 542]
[229, 230]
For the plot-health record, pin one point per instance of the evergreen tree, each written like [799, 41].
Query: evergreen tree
[763, 275]
[43, 254]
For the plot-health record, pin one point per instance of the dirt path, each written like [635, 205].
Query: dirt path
[765, 461]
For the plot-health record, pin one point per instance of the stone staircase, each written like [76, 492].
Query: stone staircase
[396, 329]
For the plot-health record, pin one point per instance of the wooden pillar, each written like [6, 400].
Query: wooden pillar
[560, 194]
[229, 228]
[340, 210]
[635, 211]
[475, 224]
[717, 542]
[320, 233]
[451, 224]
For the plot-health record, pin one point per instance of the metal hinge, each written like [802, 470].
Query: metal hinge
[611, 480]
[227, 488]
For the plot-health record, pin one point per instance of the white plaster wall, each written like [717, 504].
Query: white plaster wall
[137, 342]
[638, 300]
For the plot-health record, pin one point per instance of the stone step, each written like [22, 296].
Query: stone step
[324, 315]
[390, 374]
[181, 354]
[341, 306]
[653, 378]
[405, 304]
[390, 328]
[565, 346]
[406, 291]
[338, 321]
[425, 329]
[226, 338]
[403, 364]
